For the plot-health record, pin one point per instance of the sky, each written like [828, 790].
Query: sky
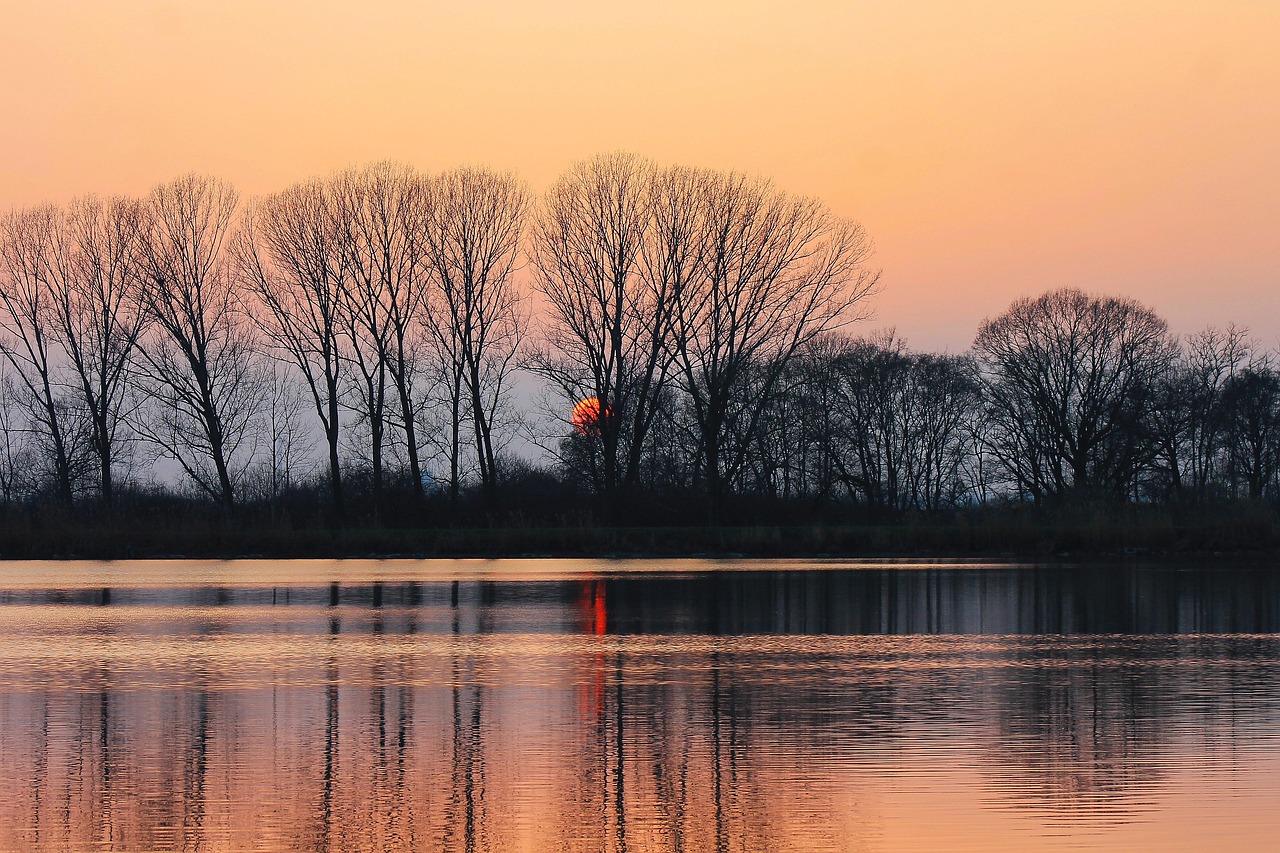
[991, 149]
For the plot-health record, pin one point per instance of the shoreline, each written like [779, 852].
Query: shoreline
[996, 538]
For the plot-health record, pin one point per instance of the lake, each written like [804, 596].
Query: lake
[665, 705]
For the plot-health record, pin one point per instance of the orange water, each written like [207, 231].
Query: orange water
[585, 707]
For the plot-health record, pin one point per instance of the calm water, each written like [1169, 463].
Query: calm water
[684, 706]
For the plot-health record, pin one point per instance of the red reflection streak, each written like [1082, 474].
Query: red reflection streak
[593, 619]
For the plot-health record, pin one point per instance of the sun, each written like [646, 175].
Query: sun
[587, 416]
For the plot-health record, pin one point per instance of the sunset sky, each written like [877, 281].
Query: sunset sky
[992, 149]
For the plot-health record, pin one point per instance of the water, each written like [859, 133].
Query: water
[674, 705]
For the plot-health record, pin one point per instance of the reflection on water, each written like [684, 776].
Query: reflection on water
[863, 707]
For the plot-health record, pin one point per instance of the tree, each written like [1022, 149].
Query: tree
[901, 424]
[872, 379]
[669, 261]
[820, 387]
[29, 242]
[604, 338]
[291, 256]
[19, 465]
[283, 406]
[475, 316]
[1188, 415]
[199, 366]
[1251, 410]
[770, 272]
[946, 397]
[98, 316]
[1068, 378]
[383, 209]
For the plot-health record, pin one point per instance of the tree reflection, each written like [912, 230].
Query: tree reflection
[736, 711]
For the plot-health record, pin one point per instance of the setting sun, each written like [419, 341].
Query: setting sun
[586, 416]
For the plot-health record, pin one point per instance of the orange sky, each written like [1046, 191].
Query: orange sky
[992, 149]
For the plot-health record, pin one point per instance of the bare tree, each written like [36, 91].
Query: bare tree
[818, 383]
[947, 397]
[476, 316]
[199, 366]
[602, 338]
[669, 262]
[384, 209]
[1069, 380]
[868, 448]
[1251, 416]
[292, 257]
[447, 378]
[19, 467]
[364, 334]
[99, 318]
[29, 241]
[1188, 415]
[773, 271]
[282, 413]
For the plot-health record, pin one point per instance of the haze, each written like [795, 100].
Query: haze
[991, 149]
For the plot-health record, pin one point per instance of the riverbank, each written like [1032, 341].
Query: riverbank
[990, 533]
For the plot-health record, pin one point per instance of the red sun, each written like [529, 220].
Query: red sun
[586, 416]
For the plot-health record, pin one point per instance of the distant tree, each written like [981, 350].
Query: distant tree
[901, 424]
[198, 367]
[778, 463]
[947, 398]
[1251, 409]
[1069, 380]
[870, 407]
[29, 242]
[287, 447]
[820, 378]
[1188, 416]
[19, 465]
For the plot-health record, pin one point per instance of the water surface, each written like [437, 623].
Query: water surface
[660, 705]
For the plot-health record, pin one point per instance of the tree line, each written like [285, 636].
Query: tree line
[373, 337]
